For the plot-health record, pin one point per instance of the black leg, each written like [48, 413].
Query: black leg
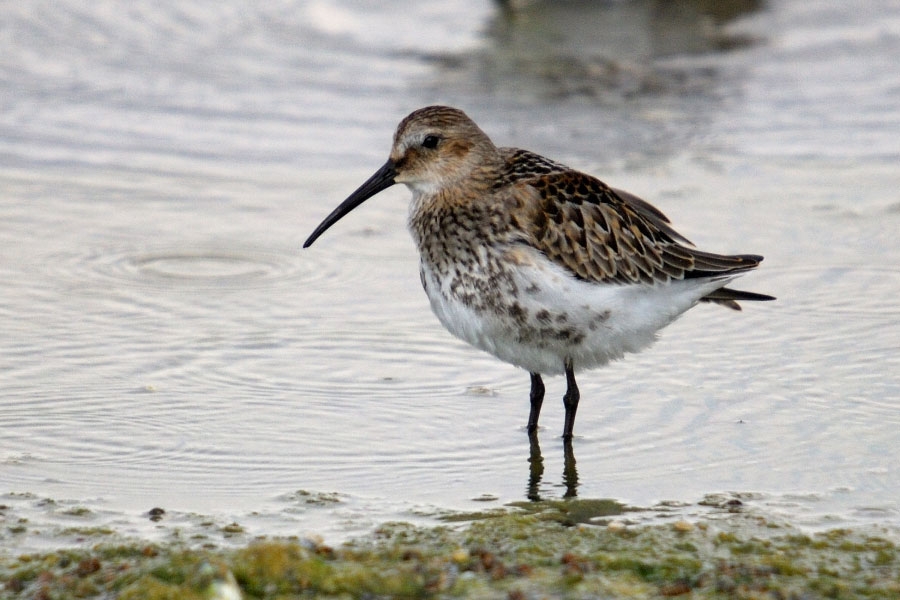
[537, 398]
[570, 400]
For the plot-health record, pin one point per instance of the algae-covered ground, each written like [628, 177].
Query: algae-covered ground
[576, 548]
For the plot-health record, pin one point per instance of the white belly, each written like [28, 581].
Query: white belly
[547, 316]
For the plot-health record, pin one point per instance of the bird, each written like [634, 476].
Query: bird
[542, 266]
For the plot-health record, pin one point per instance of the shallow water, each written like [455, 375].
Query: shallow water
[166, 342]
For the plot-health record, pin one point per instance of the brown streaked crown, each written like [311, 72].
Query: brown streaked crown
[438, 146]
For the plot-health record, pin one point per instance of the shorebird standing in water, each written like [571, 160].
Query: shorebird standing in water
[544, 267]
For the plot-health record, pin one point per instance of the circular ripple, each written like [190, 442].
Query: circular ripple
[209, 267]
[197, 267]
[217, 267]
[183, 266]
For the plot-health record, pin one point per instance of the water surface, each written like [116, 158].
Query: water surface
[166, 342]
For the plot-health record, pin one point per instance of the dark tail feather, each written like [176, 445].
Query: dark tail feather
[707, 264]
[728, 297]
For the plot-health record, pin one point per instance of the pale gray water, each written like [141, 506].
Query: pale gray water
[166, 342]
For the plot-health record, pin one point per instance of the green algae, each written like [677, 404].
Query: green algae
[552, 549]
[574, 511]
[315, 498]
[566, 512]
[83, 532]
[77, 511]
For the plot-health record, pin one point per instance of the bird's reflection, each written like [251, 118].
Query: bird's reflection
[536, 469]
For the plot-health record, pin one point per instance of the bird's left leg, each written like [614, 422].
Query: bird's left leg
[570, 400]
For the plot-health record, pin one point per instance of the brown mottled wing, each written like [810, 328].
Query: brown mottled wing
[652, 214]
[604, 235]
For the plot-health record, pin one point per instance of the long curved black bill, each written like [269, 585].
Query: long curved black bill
[382, 179]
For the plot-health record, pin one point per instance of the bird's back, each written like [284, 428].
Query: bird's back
[604, 235]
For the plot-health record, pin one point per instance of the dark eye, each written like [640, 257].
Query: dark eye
[430, 141]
